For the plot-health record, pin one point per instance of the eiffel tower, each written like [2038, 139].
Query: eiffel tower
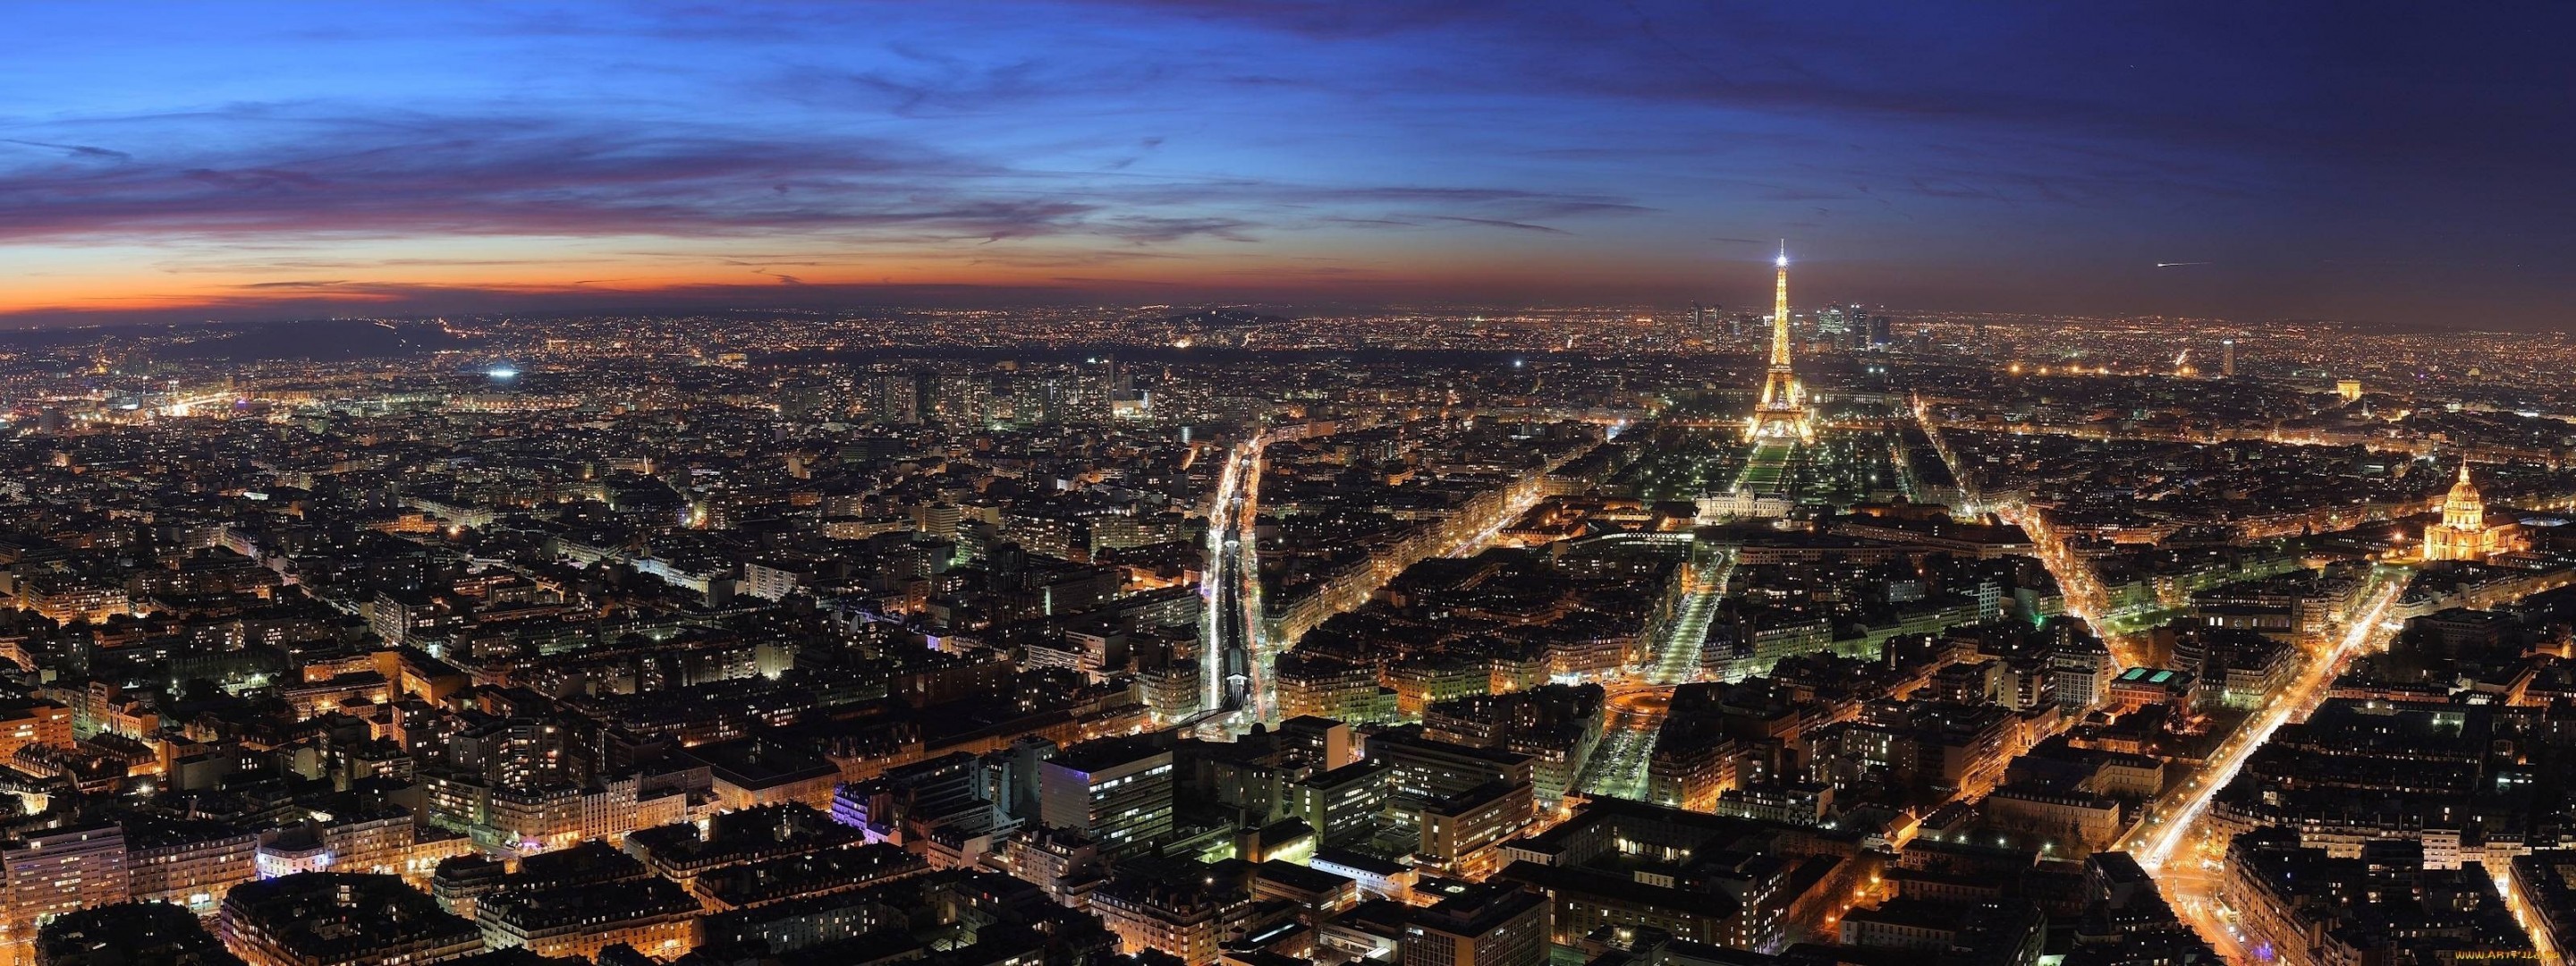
[1782, 413]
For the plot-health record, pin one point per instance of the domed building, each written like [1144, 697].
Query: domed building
[2465, 533]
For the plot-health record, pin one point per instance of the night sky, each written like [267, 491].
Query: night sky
[2396, 164]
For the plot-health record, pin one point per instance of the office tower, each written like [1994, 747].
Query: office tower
[57, 871]
[896, 398]
[1118, 791]
[1037, 400]
[1831, 323]
[961, 399]
[1481, 925]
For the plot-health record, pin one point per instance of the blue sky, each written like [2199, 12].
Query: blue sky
[2384, 163]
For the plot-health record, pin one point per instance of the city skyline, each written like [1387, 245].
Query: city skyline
[2384, 166]
[1286, 483]
[1212, 638]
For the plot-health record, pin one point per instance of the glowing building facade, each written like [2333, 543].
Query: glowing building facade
[2464, 533]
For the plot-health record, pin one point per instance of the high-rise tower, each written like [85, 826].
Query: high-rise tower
[1782, 413]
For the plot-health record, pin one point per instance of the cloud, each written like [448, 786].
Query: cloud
[1150, 228]
[409, 175]
[1083, 139]
[1499, 223]
[83, 151]
[271, 172]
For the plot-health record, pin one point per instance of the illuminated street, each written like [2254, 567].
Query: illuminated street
[1524, 495]
[2076, 581]
[1233, 680]
[1618, 768]
[2171, 841]
[1677, 654]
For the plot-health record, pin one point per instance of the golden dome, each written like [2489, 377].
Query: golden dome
[2464, 509]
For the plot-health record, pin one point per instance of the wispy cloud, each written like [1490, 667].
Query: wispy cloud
[465, 155]
[297, 171]
[1499, 223]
